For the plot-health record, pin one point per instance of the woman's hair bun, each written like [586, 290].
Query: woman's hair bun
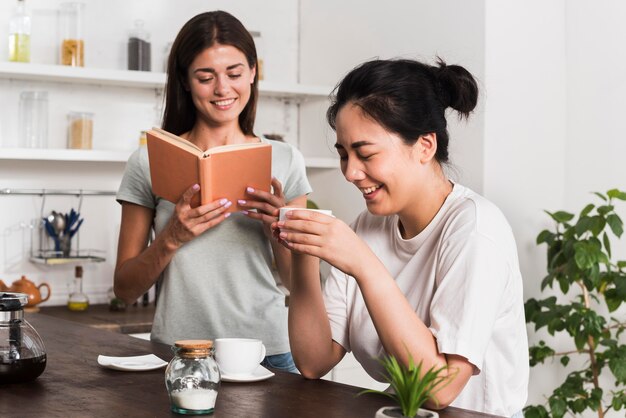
[458, 88]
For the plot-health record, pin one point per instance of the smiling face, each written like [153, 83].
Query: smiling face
[386, 170]
[219, 80]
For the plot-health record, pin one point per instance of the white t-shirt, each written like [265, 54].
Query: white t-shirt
[461, 275]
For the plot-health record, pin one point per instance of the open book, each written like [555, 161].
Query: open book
[222, 172]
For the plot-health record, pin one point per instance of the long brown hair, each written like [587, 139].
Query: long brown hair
[202, 32]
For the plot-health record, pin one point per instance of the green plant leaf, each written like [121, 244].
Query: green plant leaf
[616, 224]
[565, 360]
[617, 364]
[607, 243]
[558, 407]
[616, 194]
[586, 210]
[545, 236]
[561, 216]
[601, 196]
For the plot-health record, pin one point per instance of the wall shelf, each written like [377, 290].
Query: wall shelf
[59, 154]
[138, 79]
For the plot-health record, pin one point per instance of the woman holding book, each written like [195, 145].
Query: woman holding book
[430, 271]
[214, 270]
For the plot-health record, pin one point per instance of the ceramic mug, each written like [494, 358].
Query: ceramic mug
[238, 356]
[283, 211]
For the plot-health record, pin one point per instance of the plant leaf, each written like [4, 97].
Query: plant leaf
[616, 224]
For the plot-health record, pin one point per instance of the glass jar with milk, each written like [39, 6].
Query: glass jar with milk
[192, 377]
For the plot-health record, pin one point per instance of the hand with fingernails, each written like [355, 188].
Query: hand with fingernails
[267, 204]
[187, 223]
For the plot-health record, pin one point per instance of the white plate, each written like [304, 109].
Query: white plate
[260, 373]
[132, 364]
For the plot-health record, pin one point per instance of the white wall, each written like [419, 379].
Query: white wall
[525, 132]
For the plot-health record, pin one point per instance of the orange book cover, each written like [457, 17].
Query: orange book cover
[222, 172]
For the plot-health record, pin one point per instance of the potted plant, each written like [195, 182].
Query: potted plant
[410, 389]
[593, 287]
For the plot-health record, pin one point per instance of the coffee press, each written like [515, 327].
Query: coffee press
[22, 353]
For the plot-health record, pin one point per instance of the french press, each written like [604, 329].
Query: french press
[22, 353]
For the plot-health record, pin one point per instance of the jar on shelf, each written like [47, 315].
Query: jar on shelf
[72, 36]
[80, 130]
[33, 119]
[139, 56]
[19, 34]
[258, 43]
[192, 378]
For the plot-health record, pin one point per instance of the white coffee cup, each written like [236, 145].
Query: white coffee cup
[283, 211]
[238, 356]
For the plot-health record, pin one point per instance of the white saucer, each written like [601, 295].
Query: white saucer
[132, 364]
[260, 373]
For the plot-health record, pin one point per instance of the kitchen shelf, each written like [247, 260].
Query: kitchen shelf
[51, 258]
[60, 154]
[139, 79]
[57, 154]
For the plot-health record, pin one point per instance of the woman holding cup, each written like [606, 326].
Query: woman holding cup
[430, 271]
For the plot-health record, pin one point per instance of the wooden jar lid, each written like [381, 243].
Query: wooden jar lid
[194, 344]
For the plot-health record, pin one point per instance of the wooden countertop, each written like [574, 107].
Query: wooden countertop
[74, 385]
[133, 319]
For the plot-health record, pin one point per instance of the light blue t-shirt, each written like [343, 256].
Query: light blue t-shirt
[220, 284]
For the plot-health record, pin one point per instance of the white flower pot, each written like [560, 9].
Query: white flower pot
[396, 412]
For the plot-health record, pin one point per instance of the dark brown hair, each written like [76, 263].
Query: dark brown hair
[407, 97]
[202, 32]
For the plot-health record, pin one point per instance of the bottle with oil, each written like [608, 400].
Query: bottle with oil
[19, 34]
[78, 301]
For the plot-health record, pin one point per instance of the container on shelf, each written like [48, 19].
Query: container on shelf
[80, 130]
[139, 56]
[72, 37]
[33, 119]
[19, 34]
[258, 43]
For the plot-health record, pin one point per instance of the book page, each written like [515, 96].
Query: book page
[176, 140]
[232, 147]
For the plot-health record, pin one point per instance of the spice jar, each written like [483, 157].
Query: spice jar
[139, 56]
[192, 377]
[72, 37]
[80, 130]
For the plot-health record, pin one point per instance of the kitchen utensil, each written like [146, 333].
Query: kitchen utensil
[59, 223]
[22, 352]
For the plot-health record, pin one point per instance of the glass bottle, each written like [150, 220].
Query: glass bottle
[78, 301]
[139, 48]
[19, 34]
[72, 37]
[33, 119]
[22, 352]
[192, 377]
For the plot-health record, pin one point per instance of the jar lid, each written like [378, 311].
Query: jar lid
[194, 344]
[10, 301]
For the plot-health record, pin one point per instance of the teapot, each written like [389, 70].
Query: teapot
[29, 288]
